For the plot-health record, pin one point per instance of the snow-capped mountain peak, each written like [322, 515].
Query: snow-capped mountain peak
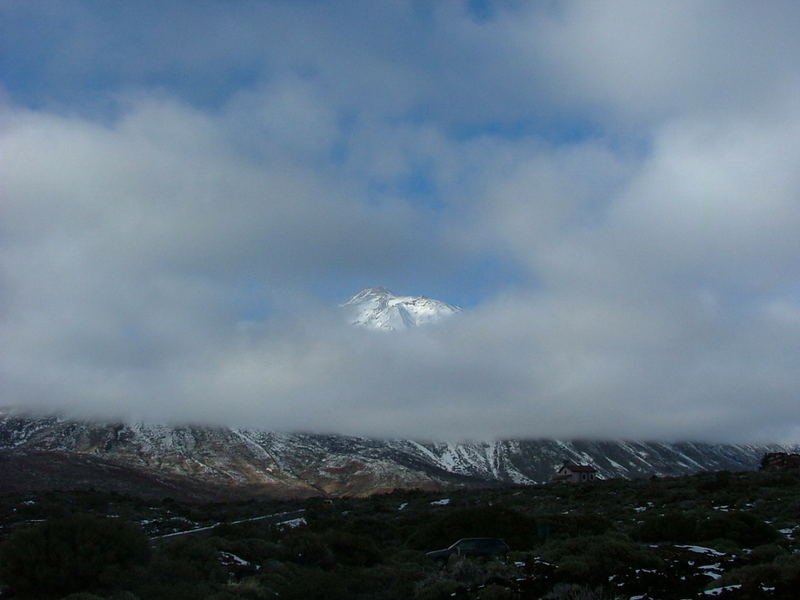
[380, 308]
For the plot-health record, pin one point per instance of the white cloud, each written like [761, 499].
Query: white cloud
[718, 198]
[161, 260]
[636, 61]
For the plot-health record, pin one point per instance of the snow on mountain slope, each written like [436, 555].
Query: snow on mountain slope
[379, 308]
[283, 464]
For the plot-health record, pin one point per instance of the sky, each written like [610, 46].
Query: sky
[611, 191]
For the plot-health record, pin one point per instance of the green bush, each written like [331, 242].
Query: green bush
[766, 553]
[437, 589]
[123, 596]
[495, 592]
[741, 527]
[714, 482]
[573, 592]
[678, 528]
[592, 559]
[571, 525]
[752, 576]
[72, 554]
[184, 566]
[378, 529]
[386, 582]
[308, 548]
[789, 570]
[353, 550]
[314, 584]
[177, 590]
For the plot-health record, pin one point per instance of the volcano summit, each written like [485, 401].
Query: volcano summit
[379, 308]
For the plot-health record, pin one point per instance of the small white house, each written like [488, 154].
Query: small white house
[574, 473]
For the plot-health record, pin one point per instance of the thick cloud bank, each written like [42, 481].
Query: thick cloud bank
[612, 190]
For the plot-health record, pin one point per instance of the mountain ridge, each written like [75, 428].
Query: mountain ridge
[249, 461]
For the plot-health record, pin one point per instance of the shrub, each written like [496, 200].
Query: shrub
[572, 591]
[789, 569]
[766, 553]
[752, 576]
[72, 554]
[466, 571]
[678, 528]
[437, 588]
[353, 550]
[378, 529]
[741, 527]
[185, 559]
[123, 596]
[179, 590]
[591, 560]
[384, 582]
[495, 592]
[308, 548]
[715, 482]
[571, 525]
[314, 584]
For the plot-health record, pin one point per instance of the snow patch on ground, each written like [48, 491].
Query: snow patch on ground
[292, 523]
[231, 559]
[723, 589]
[702, 550]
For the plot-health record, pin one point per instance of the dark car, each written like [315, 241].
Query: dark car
[472, 547]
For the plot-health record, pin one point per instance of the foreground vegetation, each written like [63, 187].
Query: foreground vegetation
[725, 535]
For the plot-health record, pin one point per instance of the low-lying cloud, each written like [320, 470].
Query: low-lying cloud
[173, 250]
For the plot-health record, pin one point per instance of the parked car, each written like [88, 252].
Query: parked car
[472, 547]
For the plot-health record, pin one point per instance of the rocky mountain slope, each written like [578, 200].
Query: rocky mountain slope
[215, 461]
[379, 308]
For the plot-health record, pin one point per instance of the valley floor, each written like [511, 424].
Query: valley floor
[724, 535]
